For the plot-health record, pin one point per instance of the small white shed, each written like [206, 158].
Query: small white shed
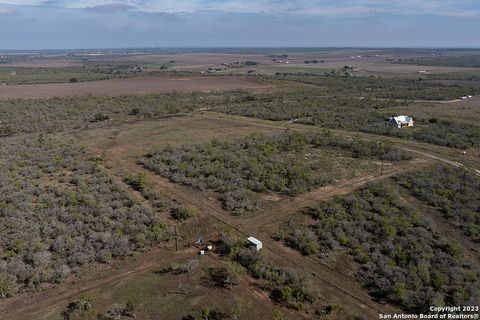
[254, 243]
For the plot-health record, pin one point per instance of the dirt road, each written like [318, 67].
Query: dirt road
[331, 284]
[40, 304]
[420, 148]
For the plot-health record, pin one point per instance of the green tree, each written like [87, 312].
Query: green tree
[137, 182]
[182, 213]
[283, 294]
[400, 291]
[228, 276]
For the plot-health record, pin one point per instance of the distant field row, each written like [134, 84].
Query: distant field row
[336, 102]
[127, 86]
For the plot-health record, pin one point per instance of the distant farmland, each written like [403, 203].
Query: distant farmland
[127, 86]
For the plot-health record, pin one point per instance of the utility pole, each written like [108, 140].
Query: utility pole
[381, 168]
[176, 239]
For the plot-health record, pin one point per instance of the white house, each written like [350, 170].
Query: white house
[401, 121]
[254, 243]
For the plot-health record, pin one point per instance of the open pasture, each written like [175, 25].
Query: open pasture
[133, 139]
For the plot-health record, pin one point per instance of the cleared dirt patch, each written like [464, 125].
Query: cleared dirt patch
[133, 139]
[128, 86]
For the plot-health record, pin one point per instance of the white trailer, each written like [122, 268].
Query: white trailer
[254, 243]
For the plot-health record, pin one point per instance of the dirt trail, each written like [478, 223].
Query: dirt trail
[431, 156]
[441, 159]
[278, 213]
[331, 282]
[51, 300]
[15, 308]
[327, 280]
[407, 145]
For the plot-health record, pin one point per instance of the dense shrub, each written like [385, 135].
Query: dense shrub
[464, 61]
[100, 116]
[80, 309]
[388, 88]
[286, 285]
[182, 213]
[236, 169]
[31, 75]
[257, 163]
[347, 103]
[335, 116]
[358, 104]
[137, 182]
[60, 114]
[58, 212]
[227, 276]
[454, 191]
[291, 105]
[305, 240]
[401, 259]
[449, 133]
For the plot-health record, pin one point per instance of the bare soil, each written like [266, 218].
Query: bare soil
[127, 86]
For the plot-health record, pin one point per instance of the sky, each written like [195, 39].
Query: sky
[76, 24]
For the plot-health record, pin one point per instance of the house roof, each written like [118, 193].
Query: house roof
[401, 119]
[254, 240]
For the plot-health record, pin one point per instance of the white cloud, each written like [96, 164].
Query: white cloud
[21, 3]
[280, 7]
[111, 7]
[6, 11]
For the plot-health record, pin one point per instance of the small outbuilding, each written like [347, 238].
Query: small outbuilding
[254, 243]
[401, 121]
[199, 242]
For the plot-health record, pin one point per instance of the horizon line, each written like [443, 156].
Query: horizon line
[242, 47]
